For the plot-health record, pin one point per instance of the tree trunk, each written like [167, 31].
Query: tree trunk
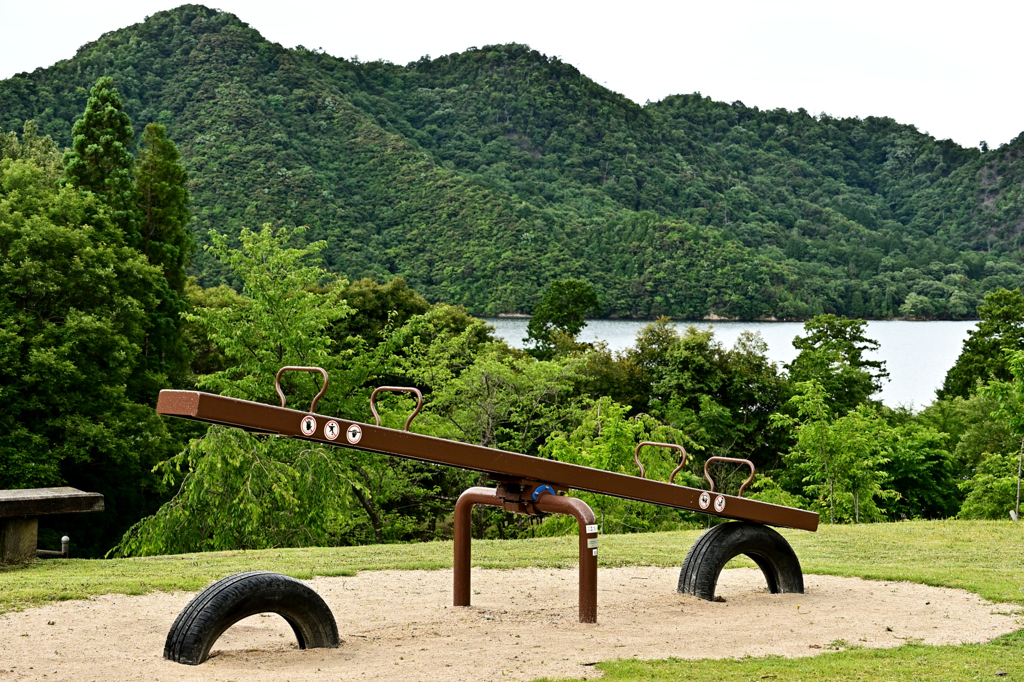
[1020, 461]
[856, 507]
[371, 511]
[831, 501]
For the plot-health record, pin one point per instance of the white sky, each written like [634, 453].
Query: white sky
[952, 69]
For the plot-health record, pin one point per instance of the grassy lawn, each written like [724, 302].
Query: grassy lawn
[985, 557]
[912, 662]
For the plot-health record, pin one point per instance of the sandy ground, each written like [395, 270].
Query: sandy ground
[400, 625]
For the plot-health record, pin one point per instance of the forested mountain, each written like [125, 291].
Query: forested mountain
[482, 176]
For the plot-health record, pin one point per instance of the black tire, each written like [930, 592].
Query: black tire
[239, 596]
[713, 550]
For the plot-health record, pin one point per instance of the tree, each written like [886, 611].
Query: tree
[722, 397]
[563, 308]
[163, 211]
[1010, 396]
[832, 353]
[238, 490]
[838, 461]
[1001, 325]
[163, 206]
[920, 469]
[73, 300]
[606, 438]
[100, 160]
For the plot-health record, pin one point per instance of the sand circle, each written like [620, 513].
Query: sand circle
[522, 625]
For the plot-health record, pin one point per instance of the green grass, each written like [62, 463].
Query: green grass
[914, 662]
[986, 557]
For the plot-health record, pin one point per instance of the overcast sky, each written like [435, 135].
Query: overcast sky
[953, 70]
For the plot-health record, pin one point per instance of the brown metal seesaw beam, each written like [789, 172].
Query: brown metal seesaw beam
[282, 421]
[526, 485]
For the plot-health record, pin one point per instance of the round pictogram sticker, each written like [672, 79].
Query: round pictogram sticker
[705, 500]
[332, 430]
[308, 426]
[354, 433]
[719, 504]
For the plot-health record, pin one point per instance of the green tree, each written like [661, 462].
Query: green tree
[376, 307]
[563, 308]
[238, 490]
[1010, 397]
[606, 438]
[163, 206]
[163, 210]
[73, 300]
[920, 468]
[839, 461]
[1001, 325]
[832, 353]
[722, 397]
[100, 160]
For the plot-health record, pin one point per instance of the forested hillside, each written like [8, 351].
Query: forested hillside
[482, 176]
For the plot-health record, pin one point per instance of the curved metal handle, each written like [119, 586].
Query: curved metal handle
[643, 473]
[730, 459]
[397, 389]
[277, 383]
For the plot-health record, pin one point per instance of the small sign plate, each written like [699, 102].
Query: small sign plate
[592, 528]
[591, 543]
[331, 430]
[308, 426]
[719, 504]
[354, 433]
[705, 500]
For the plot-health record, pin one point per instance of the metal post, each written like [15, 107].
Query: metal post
[65, 547]
[547, 503]
[464, 538]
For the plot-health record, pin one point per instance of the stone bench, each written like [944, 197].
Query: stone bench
[19, 517]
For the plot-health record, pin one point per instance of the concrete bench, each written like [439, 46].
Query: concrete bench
[19, 517]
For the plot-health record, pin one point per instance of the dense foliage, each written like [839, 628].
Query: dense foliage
[492, 180]
[482, 176]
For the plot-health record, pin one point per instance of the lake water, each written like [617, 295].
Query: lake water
[917, 354]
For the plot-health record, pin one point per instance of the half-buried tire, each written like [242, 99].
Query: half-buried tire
[713, 550]
[239, 596]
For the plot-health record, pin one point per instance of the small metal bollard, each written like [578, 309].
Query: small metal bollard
[64, 553]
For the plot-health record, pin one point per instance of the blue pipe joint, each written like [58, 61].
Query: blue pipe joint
[541, 489]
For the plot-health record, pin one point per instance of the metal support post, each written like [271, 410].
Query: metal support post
[545, 503]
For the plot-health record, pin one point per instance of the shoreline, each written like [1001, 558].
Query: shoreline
[716, 318]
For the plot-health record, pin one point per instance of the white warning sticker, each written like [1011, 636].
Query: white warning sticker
[719, 504]
[308, 426]
[353, 434]
[705, 500]
[595, 552]
[591, 543]
[331, 430]
[592, 528]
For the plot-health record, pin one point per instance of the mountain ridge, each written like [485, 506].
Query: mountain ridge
[480, 176]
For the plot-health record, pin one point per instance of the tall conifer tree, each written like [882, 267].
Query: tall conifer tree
[100, 160]
[163, 205]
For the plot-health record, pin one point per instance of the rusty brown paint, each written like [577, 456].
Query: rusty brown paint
[258, 417]
[546, 503]
[735, 460]
[396, 389]
[280, 393]
[672, 446]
